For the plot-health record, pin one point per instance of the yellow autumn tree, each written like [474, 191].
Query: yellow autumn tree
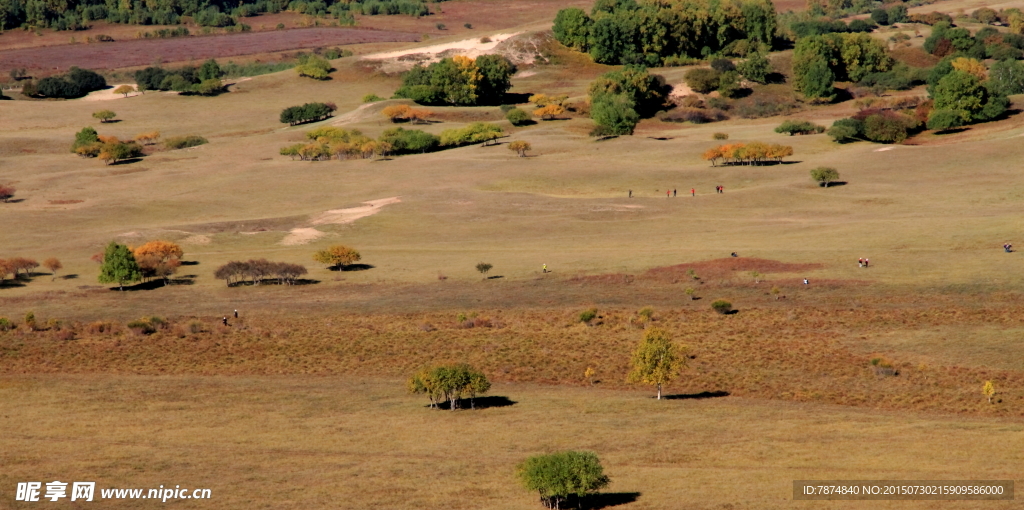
[549, 112]
[158, 259]
[970, 66]
[396, 112]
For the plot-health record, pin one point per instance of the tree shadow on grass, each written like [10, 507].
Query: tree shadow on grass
[478, 403]
[515, 98]
[351, 267]
[832, 184]
[10, 284]
[69, 277]
[952, 131]
[189, 262]
[495, 277]
[601, 500]
[697, 396]
[125, 161]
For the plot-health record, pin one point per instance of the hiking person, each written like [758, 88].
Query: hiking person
[721, 189]
[236, 314]
[674, 192]
[734, 254]
[225, 321]
[867, 262]
[630, 193]
[805, 281]
[545, 268]
[860, 262]
[693, 192]
[668, 193]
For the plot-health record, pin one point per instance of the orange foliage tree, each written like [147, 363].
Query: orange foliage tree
[158, 259]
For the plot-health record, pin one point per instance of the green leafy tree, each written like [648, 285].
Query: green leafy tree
[483, 267]
[119, 266]
[104, 115]
[846, 130]
[943, 120]
[960, 92]
[572, 28]
[702, 80]
[615, 113]
[756, 67]
[449, 383]
[210, 70]
[557, 476]
[495, 78]
[87, 136]
[518, 117]
[824, 175]
[817, 82]
[1006, 77]
[657, 360]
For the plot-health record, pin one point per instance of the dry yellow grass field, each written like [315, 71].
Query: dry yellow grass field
[328, 442]
[301, 402]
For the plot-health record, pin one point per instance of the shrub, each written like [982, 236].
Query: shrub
[6, 324]
[405, 141]
[483, 267]
[181, 142]
[702, 80]
[477, 132]
[757, 107]
[372, 98]
[799, 127]
[518, 117]
[313, 66]
[824, 175]
[720, 136]
[721, 306]
[141, 327]
[309, 112]
[846, 130]
[556, 476]
[646, 313]
[588, 315]
[694, 115]
[942, 120]
[723, 65]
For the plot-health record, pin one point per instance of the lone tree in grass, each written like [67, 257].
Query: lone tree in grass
[119, 266]
[989, 390]
[556, 476]
[520, 147]
[124, 89]
[53, 265]
[337, 256]
[657, 360]
[449, 383]
[104, 115]
[721, 306]
[825, 175]
[483, 267]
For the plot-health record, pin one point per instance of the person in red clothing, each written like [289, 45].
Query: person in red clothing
[693, 192]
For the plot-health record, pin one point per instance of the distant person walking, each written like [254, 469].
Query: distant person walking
[236, 314]
[805, 281]
[668, 193]
[674, 192]
[630, 193]
[225, 321]
[860, 262]
[721, 189]
[693, 192]
[867, 262]
[545, 268]
[1008, 247]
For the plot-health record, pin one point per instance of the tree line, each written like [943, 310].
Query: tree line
[258, 271]
[77, 14]
[309, 112]
[22, 266]
[653, 33]
[203, 81]
[75, 83]
[90, 144]
[449, 383]
[122, 264]
[331, 142]
[754, 153]
[459, 80]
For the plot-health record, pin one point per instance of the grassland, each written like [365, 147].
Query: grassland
[319, 442]
[300, 403]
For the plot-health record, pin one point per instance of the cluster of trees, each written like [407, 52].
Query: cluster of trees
[477, 132]
[618, 99]
[313, 66]
[724, 75]
[548, 107]
[337, 256]
[799, 127]
[876, 125]
[520, 147]
[406, 113]
[122, 264]
[75, 83]
[754, 153]
[816, 26]
[329, 142]
[820, 60]
[204, 80]
[648, 33]
[21, 266]
[459, 80]
[449, 383]
[88, 143]
[556, 476]
[178, 142]
[259, 271]
[986, 43]
[309, 112]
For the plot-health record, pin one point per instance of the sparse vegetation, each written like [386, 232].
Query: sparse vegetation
[104, 116]
[656, 360]
[799, 127]
[337, 256]
[824, 175]
[556, 476]
[449, 383]
[184, 142]
[721, 306]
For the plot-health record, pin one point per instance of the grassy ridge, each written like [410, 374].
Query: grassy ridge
[810, 354]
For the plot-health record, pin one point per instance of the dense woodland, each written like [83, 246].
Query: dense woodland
[76, 14]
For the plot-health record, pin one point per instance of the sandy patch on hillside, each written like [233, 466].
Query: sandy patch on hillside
[519, 52]
[197, 239]
[343, 216]
[301, 236]
[883, 149]
[108, 94]
[680, 90]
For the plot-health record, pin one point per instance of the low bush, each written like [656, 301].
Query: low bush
[6, 324]
[588, 315]
[182, 142]
[720, 136]
[764, 106]
[694, 115]
[721, 306]
[518, 117]
[799, 127]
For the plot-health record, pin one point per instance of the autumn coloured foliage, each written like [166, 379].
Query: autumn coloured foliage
[754, 153]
